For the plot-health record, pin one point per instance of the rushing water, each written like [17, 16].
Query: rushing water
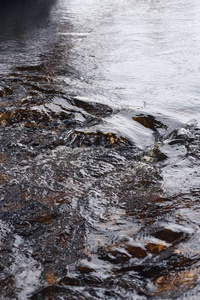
[99, 149]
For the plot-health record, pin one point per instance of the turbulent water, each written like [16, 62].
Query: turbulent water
[99, 149]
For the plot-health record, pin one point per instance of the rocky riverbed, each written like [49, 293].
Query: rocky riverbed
[99, 150]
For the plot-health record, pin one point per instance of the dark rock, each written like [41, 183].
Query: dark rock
[2, 92]
[149, 121]
[168, 235]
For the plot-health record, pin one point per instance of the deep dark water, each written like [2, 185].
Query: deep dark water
[99, 150]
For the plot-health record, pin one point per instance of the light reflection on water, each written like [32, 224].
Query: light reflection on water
[142, 52]
[99, 149]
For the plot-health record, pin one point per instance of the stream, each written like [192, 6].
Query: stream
[99, 149]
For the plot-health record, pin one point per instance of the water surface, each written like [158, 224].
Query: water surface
[99, 149]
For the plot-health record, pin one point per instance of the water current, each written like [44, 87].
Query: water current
[99, 149]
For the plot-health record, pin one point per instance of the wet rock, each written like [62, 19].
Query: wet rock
[179, 282]
[67, 280]
[168, 235]
[97, 109]
[27, 219]
[98, 138]
[3, 119]
[41, 85]
[85, 269]
[154, 154]
[35, 68]
[6, 287]
[3, 178]
[21, 115]
[180, 136]
[144, 270]
[2, 92]
[5, 91]
[136, 250]
[62, 292]
[50, 278]
[82, 280]
[1, 268]
[121, 255]
[53, 292]
[155, 248]
[113, 254]
[3, 158]
[149, 121]
[122, 252]
[34, 118]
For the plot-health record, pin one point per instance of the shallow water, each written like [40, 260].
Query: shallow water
[99, 149]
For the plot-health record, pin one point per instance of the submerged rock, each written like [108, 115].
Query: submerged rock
[155, 248]
[5, 91]
[97, 109]
[34, 118]
[2, 92]
[98, 138]
[169, 285]
[149, 121]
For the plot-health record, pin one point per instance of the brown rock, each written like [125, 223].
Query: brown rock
[85, 269]
[86, 139]
[154, 248]
[148, 121]
[50, 278]
[136, 250]
[174, 282]
[3, 177]
[3, 118]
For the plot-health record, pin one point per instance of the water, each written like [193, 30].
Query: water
[99, 149]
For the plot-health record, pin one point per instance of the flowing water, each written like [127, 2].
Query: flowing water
[99, 149]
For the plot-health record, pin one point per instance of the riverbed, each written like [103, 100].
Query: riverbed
[99, 149]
